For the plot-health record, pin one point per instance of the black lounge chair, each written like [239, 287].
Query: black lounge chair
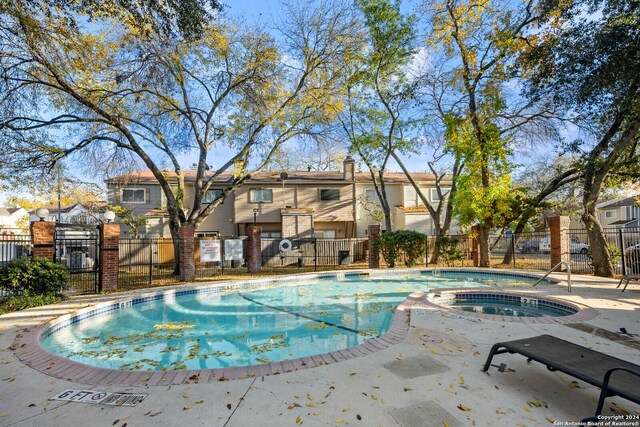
[615, 377]
[626, 279]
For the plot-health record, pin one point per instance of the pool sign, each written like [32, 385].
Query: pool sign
[100, 397]
[209, 250]
[233, 250]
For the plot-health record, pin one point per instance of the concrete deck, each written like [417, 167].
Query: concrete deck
[431, 378]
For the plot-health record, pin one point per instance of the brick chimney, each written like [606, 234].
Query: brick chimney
[348, 169]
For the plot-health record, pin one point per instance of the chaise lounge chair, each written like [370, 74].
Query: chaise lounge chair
[626, 280]
[615, 377]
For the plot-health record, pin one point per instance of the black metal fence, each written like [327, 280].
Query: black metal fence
[313, 254]
[623, 244]
[77, 248]
[146, 261]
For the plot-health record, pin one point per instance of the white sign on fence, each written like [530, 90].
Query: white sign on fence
[210, 250]
[233, 250]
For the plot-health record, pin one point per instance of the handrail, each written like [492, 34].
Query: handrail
[554, 268]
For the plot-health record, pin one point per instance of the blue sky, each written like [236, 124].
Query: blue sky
[266, 12]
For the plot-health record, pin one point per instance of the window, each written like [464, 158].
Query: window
[633, 212]
[434, 194]
[330, 194]
[260, 195]
[133, 195]
[325, 234]
[211, 195]
[215, 234]
[371, 195]
[609, 214]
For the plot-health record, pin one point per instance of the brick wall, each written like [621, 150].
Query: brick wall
[187, 253]
[374, 255]
[255, 249]
[42, 233]
[109, 257]
[558, 227]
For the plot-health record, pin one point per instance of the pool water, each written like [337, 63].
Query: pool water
[216, 330]
[501, 308]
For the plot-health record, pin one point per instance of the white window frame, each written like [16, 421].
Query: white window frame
[434, 194]
[262, 190]
[609, 214]
[373, 199]
[632, 212]
[329, 189]
[144, 195]
[209, 200]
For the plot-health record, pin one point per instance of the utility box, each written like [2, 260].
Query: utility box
[344, 258]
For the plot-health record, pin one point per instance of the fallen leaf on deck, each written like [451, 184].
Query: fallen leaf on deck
[461, 379]
[463, 408]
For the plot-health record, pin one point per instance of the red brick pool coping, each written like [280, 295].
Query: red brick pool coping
[27, 349]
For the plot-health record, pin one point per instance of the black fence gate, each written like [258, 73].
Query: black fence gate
[77, 248]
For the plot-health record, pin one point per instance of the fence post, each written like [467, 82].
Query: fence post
[150, 260]
[374, 254]
[109, 257]
[42, 238]
[622, 259]
[255, 248]
[558, 227]
[513, 249]
[187, 252]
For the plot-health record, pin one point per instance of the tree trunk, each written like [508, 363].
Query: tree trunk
[598, 245]
[483, 241]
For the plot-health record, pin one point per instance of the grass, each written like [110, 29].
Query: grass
[11, 304]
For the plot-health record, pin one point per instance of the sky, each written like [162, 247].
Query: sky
[266, 11]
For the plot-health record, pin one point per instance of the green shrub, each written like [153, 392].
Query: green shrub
[11, 304]
[33, 276]
[449, 249]
[411, 243]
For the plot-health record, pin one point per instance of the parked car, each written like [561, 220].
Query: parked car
[544, 245]
[530, 246]
[575, 246]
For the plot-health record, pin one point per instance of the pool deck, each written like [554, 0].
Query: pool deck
[430, 378]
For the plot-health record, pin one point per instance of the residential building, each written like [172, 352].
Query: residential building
[12, 218]
[623, 212]
[324, 204]
[74, 213]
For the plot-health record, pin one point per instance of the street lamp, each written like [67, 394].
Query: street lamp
[255, 216]
[109, 216]
[42, 213]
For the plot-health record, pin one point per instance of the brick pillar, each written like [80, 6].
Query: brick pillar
[109, 257]
[187, 251]
[559, 228]
[42, 233]
[475, 246]
[374, 255]
[255, 249]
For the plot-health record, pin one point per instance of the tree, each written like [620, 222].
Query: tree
[128, 218]
[171, 17]
[123, 93]
[482, 40]
[379, 94]
[590, 64]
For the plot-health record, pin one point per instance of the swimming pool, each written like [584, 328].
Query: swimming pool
[205, 329]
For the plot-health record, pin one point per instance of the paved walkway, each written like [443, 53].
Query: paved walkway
[431, 378]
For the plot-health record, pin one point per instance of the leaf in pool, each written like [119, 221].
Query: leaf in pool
[263, 359]
[368, 332]
[277, 337]
[172, 326]
[89, 340]
[317, 326]
[239, 337]
[219, 353]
